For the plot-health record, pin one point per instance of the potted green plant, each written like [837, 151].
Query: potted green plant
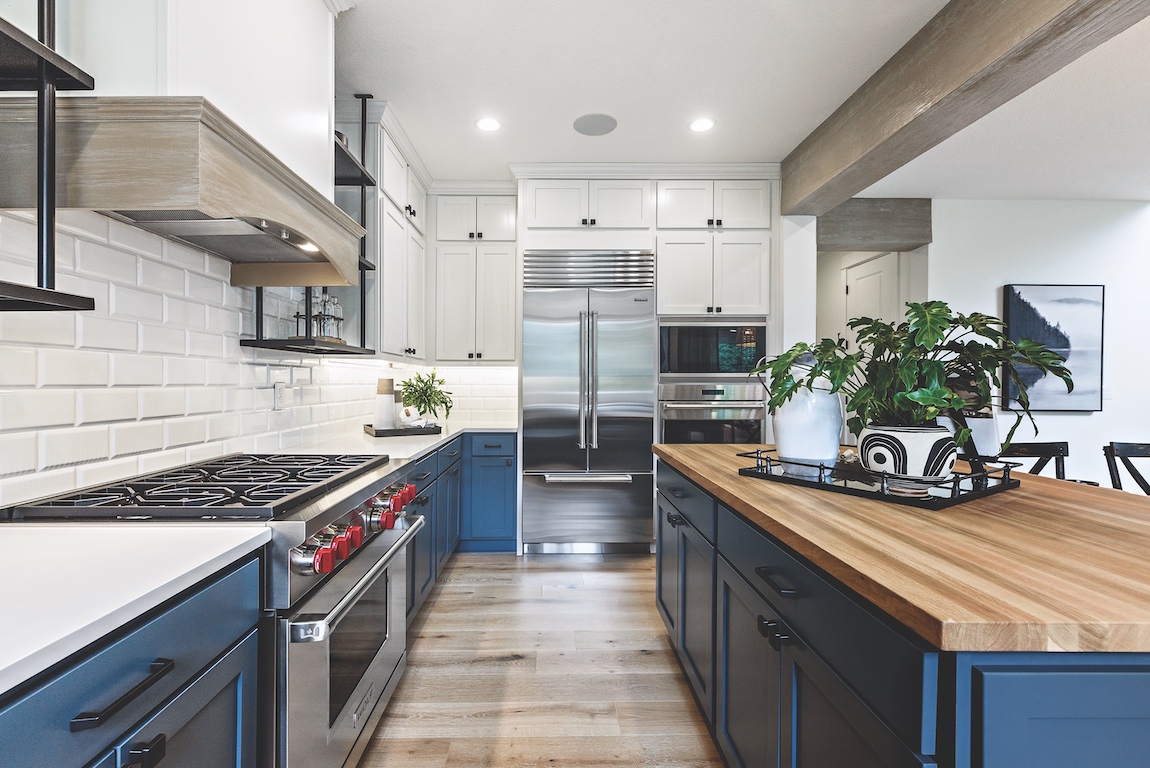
[902, 377]
[425, 393]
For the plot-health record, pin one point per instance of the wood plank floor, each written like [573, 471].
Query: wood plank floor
[545, 660]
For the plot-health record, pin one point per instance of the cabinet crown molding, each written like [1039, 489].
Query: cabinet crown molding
[339, 6]
[449, 187]
[653, 171]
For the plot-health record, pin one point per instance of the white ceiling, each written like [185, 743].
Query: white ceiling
[768, 71]
[1081, 134]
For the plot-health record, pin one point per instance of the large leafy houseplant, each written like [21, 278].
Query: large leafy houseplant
[425, 393]
[934, 363]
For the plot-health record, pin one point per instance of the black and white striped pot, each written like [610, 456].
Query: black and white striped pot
[913, 457]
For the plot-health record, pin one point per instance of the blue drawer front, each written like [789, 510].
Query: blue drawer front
[897, 675]
[449, 454]
[35, 730]
[501, 444]
[424, 472]
[693, 502]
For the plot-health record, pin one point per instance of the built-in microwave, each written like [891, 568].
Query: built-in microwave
[711, 348]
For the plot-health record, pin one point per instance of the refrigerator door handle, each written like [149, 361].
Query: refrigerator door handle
[582, 379]
[587, 478]
[594, 379]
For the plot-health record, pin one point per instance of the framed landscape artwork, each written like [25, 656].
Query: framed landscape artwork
[1067, 319]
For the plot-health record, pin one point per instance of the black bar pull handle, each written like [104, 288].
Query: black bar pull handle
[148, 755]
[421, 476]
[678, 494]
[764, 573]
[453, 453]
[674, 520]
[492, 445]
[767, 627]
[422, 500]
[453, 471]
[85, 720]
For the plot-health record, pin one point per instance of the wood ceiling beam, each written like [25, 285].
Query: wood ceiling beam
[971, 58]
[876, 224]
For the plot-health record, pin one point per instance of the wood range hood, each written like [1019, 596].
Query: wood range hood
[177, 166]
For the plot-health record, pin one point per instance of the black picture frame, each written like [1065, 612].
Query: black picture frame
[1069, 319]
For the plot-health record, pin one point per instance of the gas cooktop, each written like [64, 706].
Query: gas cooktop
[236, 487]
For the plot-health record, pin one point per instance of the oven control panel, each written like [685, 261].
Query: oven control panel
[321, 553]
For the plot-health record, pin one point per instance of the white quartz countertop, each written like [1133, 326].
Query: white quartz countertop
[409, 447]
[63, 587]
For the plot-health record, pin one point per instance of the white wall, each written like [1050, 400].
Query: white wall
[979, 246]
[155, 376]
[799, 279]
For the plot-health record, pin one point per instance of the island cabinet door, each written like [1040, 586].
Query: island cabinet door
[697, 614]
[825, 724]
[667, 521]
[747, 670]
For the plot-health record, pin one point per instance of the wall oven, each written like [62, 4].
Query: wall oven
[710, 349]
[711, 412]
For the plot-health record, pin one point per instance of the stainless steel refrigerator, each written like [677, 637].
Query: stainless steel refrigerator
[588, 394]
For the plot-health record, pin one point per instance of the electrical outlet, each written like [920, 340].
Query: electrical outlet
[280, 398]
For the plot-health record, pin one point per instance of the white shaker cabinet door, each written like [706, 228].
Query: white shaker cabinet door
[743, 204]
[455, 217]
[416, 202]
[742, 273]
[393, 171]
[617, 204]
[495, 217]
[686, 204]
[455, 302]
[416, 295]
[495, 302]
[684, 273]
[555, 203]
[393, 279]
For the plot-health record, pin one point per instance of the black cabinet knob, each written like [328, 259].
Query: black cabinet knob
[470, 355]
[479, 235]
[718, 222]
[710, 222]
[584, 222]
[592, 222]
[478, 355]
[718, 309]
[710, 309]
[471, 235]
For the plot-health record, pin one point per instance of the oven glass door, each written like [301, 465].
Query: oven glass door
[711, 349]
[712, 431]
[355, 642]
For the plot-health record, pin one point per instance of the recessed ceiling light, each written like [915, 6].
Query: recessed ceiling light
[487, 124]
[702, 124]
[595, 124]
[309, 247]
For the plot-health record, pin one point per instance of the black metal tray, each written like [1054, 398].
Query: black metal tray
[984, 479]
[402, 432]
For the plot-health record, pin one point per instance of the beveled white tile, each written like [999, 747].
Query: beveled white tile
[71, 367]
[205, 400]
[183, 256]
[31, 408]
[66, 447]
[88, 224]
[157, 402]
[136, 438]
[205, 344]
[161, 339]
[137, 370]
[131, 302]
[104, 472]
[22, 488]
[207, 290]
[56, 329]
[184, 371]
[223, 426]
[186, 431]
[104, 261]
[110, 404]
[134, 239]
[104, 333]
[154, 462]
[185, 313]
[18, 453]
[18, 368]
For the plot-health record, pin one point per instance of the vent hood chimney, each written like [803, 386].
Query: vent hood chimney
[177, 166]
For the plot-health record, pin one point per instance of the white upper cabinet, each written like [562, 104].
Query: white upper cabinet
[392, 284]
[416, 320]
[700, 273]
[604, 204]
[714, 205]
[490, 217]
[556, 204]
[476, 301]
[416, 201]
[392, 171]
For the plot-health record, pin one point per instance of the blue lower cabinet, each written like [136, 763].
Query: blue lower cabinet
[696, 614]
[667, 564]
[451, 506]
[489, 497]
[421, 559]
[211, 722]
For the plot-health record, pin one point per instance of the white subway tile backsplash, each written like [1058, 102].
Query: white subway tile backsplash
[17, 367]
[96, 290]
[264, 398]
[220, 268]
[154, 462]
[208, 290]
[141, 437]
[223, 320]
[223, 426]
[109, 404]
[254, 423]
[70, 367]
[185, 431]
[27, 487]
[17, 453]
[205, 344]
[103, 333]
[112, 263]
[205, 451]
[32, 408]
[17, 239]
[134, 239]
[222, 373]
[240, 400]
[21, 273]
[161, 278]
[188, 258]
[84, 223]
[130, 302]
[55, 329]
[104, 472]
[159, 403]
[186, 313]
[185, 371]
[66, 447]
[267, 443]
[205, 400]
[137, 370]
[161, 339]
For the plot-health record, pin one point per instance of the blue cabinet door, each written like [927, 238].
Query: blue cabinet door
[211, 722]
[489, 512]
[452, 492]
[421, 553]
[667, 565]
[443, 546]
[697, 614]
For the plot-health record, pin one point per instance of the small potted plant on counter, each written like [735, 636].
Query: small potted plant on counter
[425, 393]
[902, 377]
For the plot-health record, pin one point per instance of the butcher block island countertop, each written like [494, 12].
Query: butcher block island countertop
[1050, 566]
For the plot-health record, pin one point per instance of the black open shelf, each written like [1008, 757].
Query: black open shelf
[306, 346]
[349, 172]
[27, 298]
[20, 57]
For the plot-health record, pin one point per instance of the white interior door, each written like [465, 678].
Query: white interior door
[872, 291]
[556, 203]
[495, 302]
[416, 294]
[684, 273]
[742, 273]
[686, 204]
[620, 204]
[743, 204]
[495, 217]
[393, 279]
[455, 302]
[455, 217]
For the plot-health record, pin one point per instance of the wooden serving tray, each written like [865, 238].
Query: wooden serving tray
[437, 429]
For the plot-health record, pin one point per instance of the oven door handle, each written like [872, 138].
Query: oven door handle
[317, 630]
[717, 405]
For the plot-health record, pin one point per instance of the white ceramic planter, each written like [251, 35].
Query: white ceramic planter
[807, 429]
[914, 457]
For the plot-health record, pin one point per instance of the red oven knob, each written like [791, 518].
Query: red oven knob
[411, 491]
[341, 545]
[355, 536]
[397, 503]
[388, 520]
[324, 560]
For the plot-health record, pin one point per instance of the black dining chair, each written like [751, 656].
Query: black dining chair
[1123, 452]
[1044, 452]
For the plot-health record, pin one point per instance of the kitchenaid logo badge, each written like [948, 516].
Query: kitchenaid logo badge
[639, 299]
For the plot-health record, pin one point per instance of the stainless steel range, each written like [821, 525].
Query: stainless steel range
[335, 579]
